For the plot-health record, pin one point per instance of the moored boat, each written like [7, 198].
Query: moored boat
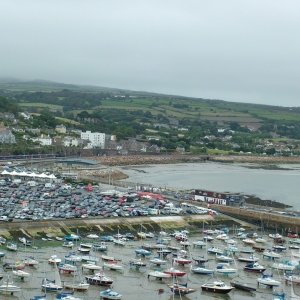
[9, 288]
[254, 267]
[217, 287]
[79, 286]
[180, 289]
[175, 272]
[110, 294]
[243, 286]
[202, 270]
[268, 281]
[158, 275]
[99, 279]
[67, 268]
[50, 286]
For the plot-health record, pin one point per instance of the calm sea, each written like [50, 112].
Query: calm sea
[278, 185]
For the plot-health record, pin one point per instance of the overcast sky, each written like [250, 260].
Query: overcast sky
[237, 50]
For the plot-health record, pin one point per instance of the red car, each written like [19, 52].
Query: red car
[293, 235]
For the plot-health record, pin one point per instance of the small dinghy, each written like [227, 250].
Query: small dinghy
[180, 289]
[110, 294]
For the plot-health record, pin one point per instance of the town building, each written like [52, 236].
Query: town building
[7, 137]
[211, 197]
[96, 139]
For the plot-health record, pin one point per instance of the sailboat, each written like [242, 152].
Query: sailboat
[52, 285]
[9, 288]
[79, 285]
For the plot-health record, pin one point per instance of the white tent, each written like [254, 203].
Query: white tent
[5, 172]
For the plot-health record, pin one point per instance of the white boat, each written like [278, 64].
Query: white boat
[113, 266]
[137, 263]
[30, 262]
[217, 287]
[284, 266]
[67, 268]
[68, 244]
[224, 268]
[100, 247]
[9, 288]
[200, 244]
[202, 270]
[119, 242]
[254, 267]
[260, 240]
[80, 286]
[224, 258]
[250, 259]
[50, 286]
[249, 241]
[99, 279]
[12, 247]
[208, 238]
[159, 275]
[54, 260]
[275, 236]
[268, 281]
[292, 279]
[92, 236]
[86, 245]
[84, 250]
[215, 250]
[72, 258]
[21, 274]
[158, 261]
[110, 294]
[271, 254]
[91, 266]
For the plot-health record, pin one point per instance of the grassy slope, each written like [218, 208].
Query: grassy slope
[211, 110]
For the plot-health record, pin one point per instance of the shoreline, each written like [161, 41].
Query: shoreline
[137, 160]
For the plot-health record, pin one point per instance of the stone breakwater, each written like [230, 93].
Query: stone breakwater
[187, 158]
[255, 159]
[148, 159]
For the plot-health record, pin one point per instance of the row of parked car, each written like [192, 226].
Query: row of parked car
[44, 201]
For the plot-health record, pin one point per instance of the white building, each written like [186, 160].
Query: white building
[96, 139]
[43, 140]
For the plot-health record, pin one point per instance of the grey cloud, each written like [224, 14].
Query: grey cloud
[233, 50]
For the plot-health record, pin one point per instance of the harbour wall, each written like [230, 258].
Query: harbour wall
[262, 219]
[39, 229]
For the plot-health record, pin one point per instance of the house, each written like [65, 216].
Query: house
[61, 129]
[7, 137]
[96, 139]
[43, 140]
